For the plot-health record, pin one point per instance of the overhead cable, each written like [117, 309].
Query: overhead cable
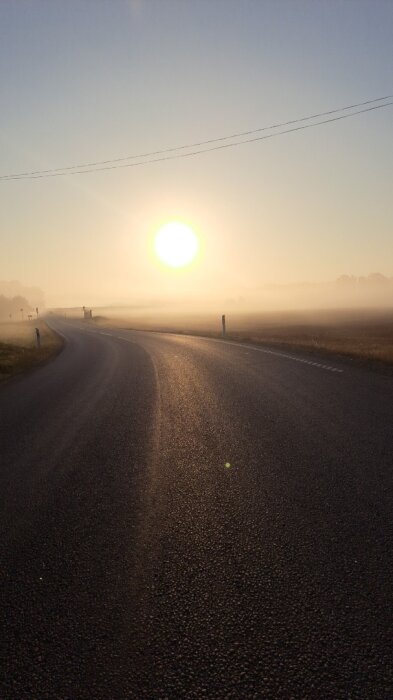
[116, 163]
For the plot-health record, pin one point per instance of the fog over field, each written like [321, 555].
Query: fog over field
[372, 292]
[369, 293]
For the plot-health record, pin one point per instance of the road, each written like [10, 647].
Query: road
[188, 518]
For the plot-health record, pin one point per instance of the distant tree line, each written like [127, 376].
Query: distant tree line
[373, 280]
[14, 308]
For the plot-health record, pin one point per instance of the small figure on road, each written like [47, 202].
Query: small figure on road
[38, 336]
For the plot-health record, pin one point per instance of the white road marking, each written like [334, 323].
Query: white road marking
[328, 368]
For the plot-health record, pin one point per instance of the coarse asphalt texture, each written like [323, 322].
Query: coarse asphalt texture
[190, 518]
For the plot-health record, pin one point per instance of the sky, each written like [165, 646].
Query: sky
[90, 80]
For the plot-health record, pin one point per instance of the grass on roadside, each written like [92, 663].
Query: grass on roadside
[371, 347]
[18, 350]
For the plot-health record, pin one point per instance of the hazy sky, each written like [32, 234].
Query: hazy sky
[87, 80]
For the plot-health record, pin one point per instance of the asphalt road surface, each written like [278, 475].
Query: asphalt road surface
[188, 518]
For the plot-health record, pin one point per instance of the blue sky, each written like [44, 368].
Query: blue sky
[90, 80]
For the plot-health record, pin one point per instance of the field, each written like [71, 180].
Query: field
[362, 337]
[18, 350]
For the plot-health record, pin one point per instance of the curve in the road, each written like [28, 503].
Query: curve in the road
[188, 518]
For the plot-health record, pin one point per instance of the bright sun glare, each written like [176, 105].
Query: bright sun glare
[176, 244]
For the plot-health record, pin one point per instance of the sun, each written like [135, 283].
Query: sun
[176, 244]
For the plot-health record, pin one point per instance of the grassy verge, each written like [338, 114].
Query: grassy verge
[18, 351]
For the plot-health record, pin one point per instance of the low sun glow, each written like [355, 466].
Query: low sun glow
[176, 244]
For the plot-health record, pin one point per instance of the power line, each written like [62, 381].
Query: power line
[198, 143]
[117, 163]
